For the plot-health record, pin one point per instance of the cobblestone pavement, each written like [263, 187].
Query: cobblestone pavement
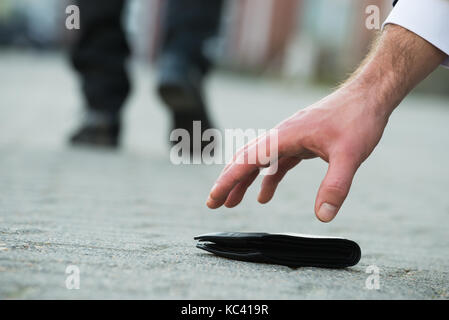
[127, 219]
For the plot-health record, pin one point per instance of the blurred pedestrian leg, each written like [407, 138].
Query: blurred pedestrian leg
[99, 55]
[183, 63]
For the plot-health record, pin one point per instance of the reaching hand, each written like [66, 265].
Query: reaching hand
[341, 129]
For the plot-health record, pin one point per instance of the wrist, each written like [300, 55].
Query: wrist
[377, 91]
[398, 62]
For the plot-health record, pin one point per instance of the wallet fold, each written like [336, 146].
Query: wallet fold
[292, 250]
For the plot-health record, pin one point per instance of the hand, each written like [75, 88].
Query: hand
[342, 129]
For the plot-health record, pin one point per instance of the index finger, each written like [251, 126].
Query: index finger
[227, 181]
[239, 169]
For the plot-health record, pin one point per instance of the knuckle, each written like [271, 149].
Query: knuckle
[234, 176]
[338, 187]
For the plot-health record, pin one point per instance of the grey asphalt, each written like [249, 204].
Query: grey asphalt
[127, 219]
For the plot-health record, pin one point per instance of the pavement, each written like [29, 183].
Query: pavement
[126, 220]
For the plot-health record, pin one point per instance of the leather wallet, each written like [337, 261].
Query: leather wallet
[288, 249]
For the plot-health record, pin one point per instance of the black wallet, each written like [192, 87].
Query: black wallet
[292, 250]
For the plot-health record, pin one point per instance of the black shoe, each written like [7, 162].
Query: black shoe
[98, 130]
[180, 88]
[180, 84]
[187, 121]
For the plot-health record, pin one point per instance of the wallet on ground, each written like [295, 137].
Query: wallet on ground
[292, 250]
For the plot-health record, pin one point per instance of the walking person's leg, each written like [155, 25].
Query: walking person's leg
[99, 55]
[183, 64]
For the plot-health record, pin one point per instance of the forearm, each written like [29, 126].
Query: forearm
[397, 63]
[342, 128]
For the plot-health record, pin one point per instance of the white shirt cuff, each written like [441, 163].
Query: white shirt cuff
[429, 19]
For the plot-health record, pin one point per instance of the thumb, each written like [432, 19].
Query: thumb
[334, 188]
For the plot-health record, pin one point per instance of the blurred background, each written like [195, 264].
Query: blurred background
[318, 41]
[128, 218]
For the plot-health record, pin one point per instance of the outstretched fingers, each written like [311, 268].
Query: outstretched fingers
[270, 182]
[334, 188]
[236, 195]
[240, 173]
[235, 174]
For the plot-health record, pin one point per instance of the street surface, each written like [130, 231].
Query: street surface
[127, 219]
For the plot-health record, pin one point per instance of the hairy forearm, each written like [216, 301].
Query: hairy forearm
[343, 128]
[398, 61]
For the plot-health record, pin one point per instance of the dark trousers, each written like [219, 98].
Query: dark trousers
[99, 54]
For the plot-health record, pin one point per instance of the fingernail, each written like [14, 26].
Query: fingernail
[209, 202]
[327, 212]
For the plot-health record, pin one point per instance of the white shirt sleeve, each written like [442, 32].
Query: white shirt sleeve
[429, 19]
